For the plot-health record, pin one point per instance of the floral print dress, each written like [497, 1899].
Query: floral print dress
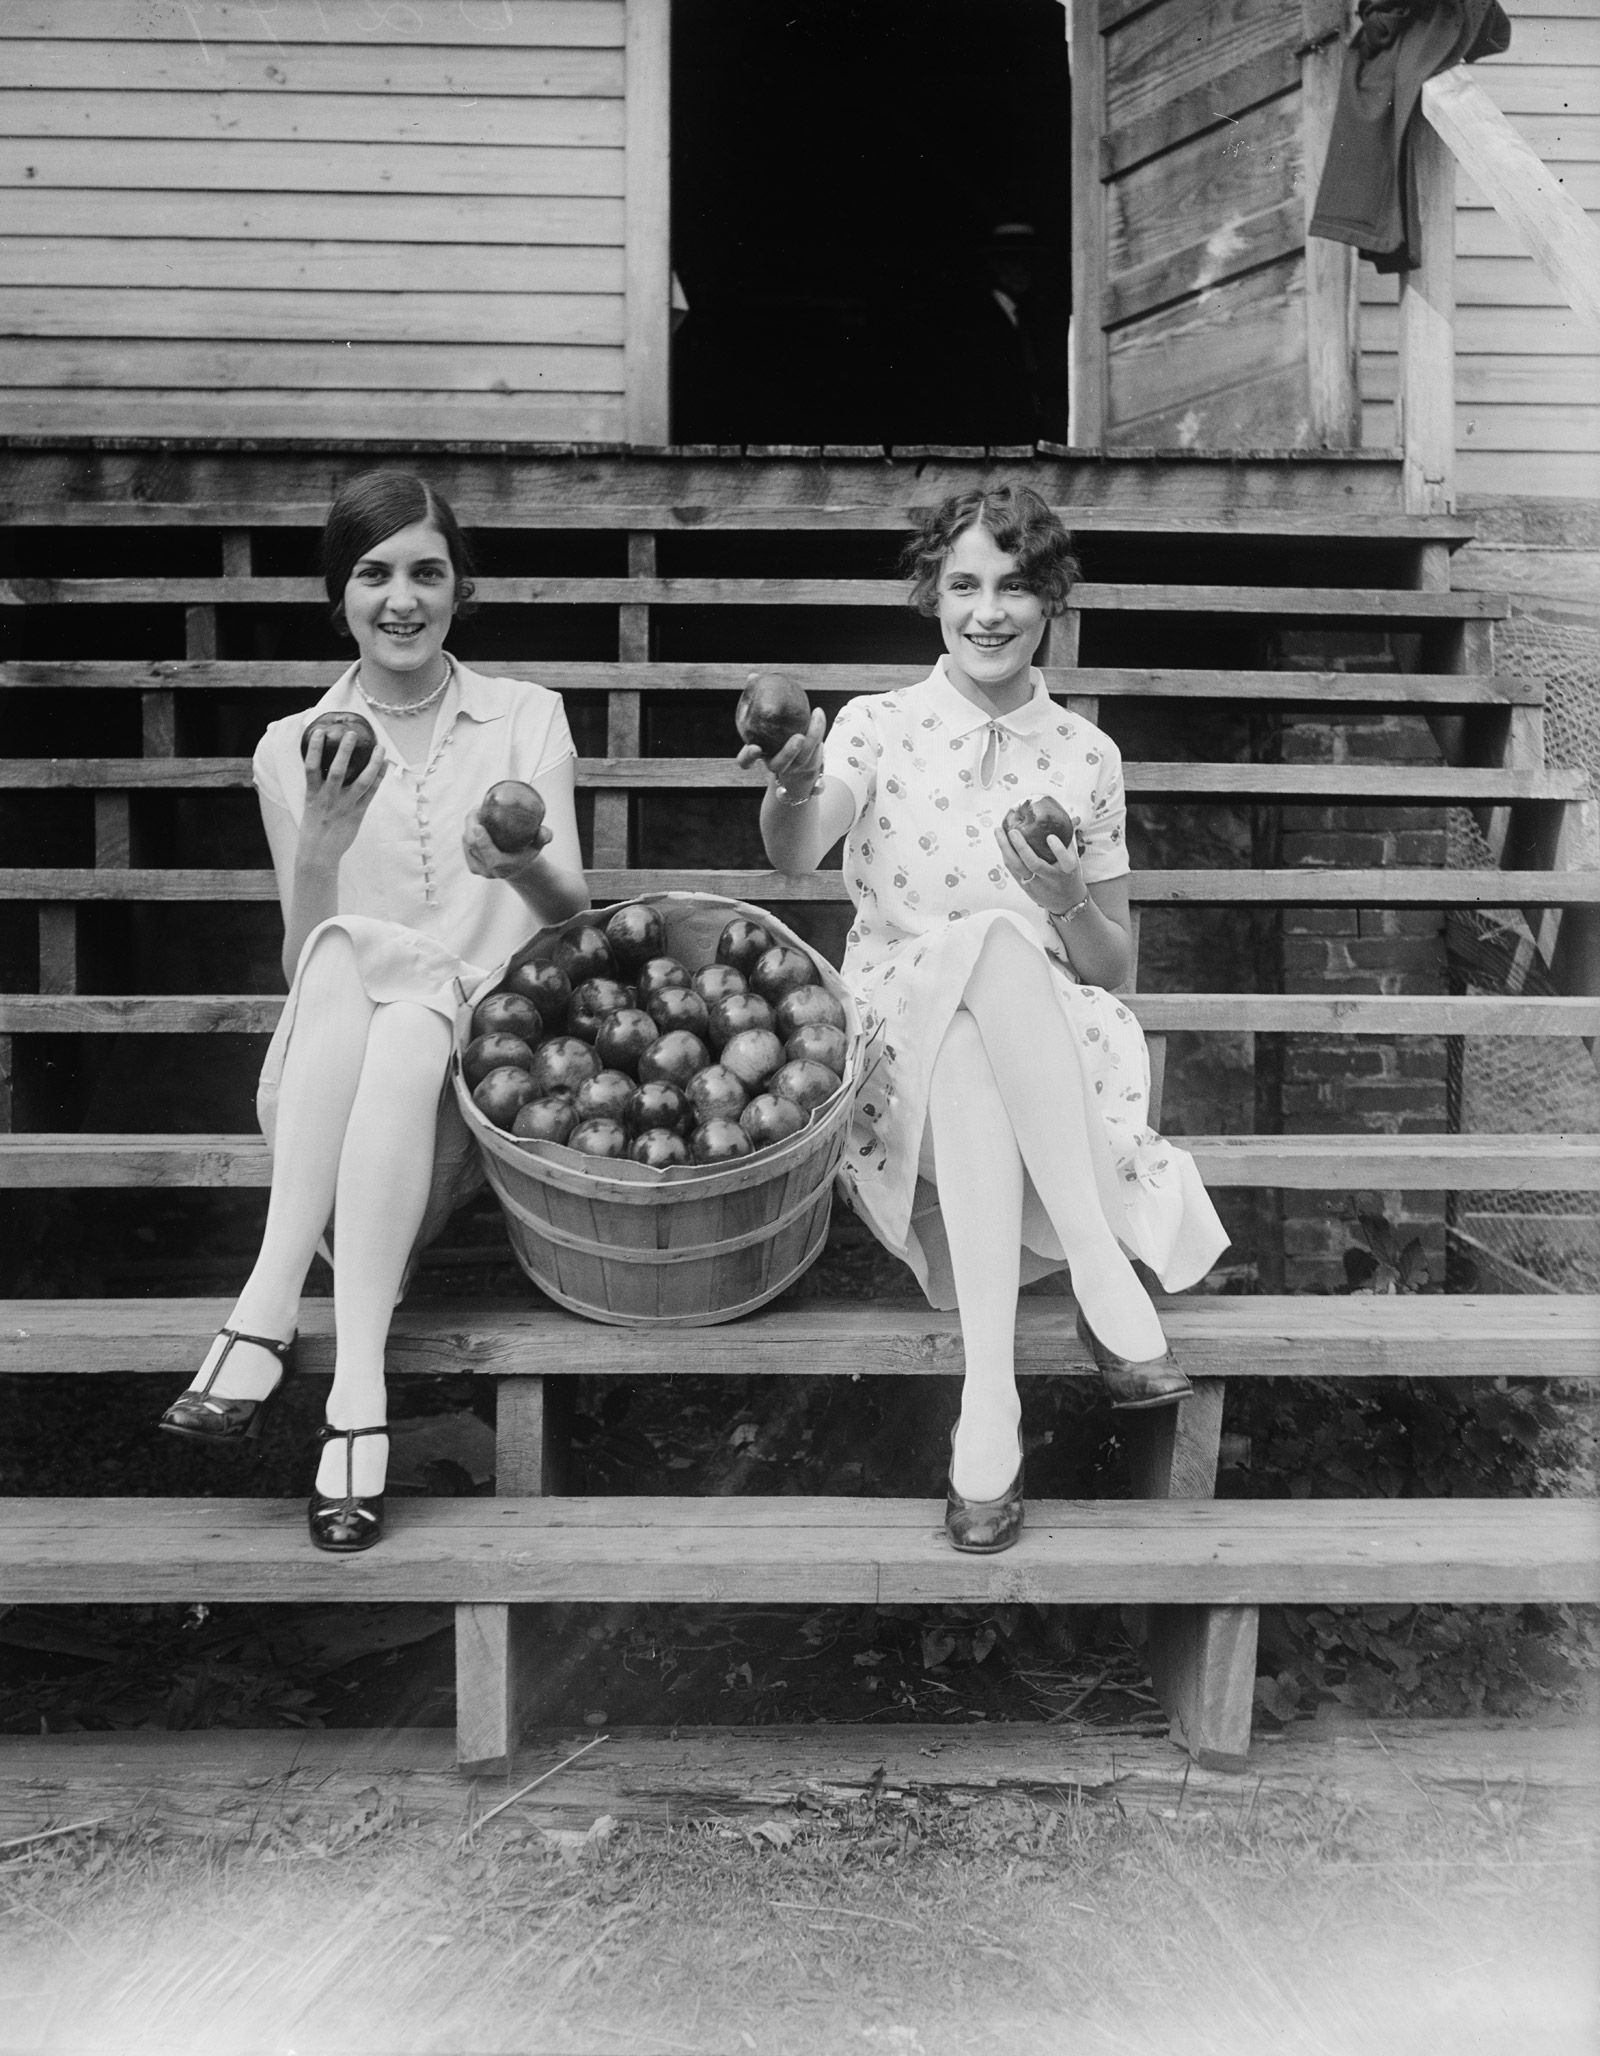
[932, 777]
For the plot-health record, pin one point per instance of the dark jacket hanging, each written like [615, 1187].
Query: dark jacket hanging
[1368, 194]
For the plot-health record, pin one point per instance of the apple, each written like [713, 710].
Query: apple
[545, 986]
[676, 1058]
[605, 1097]
[817, 1043]
[768, 1119]
[512, 815]
[807, 1084]
[733, 1015]
[636, 935]
[805, 1005]
[782, 971]
[584, 953]
[624, 1036]
[771, 709]
[333, 727]
[550, 1119]
[752, 1056]
[661, 974]
[1033, 820]
[508, 1013]
[599, 1139]
[489, 1052]
[719, 1142]
[716, 981]
[590, 1004]
[659, 1148]
[501, 1095]
[674, 1009]
[660, 1105]
[715, 1094]
[563, 1064]
[741, 942]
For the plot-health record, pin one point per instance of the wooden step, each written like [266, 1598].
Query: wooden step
[1310, 1163]
[1215, 1335]
[864, 1552]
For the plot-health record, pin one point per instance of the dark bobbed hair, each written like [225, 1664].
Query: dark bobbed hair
[375, 505]
[1021, 524]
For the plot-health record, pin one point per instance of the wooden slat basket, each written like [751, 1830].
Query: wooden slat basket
[691, 1245]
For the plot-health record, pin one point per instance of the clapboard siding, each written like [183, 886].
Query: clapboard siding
[204, 227]
[1527, 371]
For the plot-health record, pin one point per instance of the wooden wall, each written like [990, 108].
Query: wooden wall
[1527, 373]
[334, 218]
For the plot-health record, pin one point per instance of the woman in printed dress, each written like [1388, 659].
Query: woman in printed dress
[1000, 1126]
[390, 906]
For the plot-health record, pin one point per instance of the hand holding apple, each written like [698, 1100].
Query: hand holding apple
[796, 768]
[337, 796]
[505, 835]
[1039, 843]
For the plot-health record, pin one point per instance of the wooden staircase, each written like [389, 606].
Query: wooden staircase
[1197, 1569]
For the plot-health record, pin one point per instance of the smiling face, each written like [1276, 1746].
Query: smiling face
[398, 601]
[992, 622]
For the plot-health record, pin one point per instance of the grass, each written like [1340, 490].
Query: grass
[921, 1926]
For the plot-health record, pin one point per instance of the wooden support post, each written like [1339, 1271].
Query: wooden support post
[1333, 337]
[611, 809]
[159, 711]
[58, 949]
[7, 1059]
[1425, 396]
[113, 831]
[647, 223]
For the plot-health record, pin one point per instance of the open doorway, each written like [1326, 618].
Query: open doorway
[871, 218]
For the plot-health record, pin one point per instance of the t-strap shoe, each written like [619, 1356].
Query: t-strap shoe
[1156, 1382]
[346, 1524]
[983, 1527]
[202, 1415]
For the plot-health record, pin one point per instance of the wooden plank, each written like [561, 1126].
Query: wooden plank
[308, 167]
[1216, 102]
[1164, 51]
[1087, 397]
[1219, 368]
[587, 116]
[1214, 1335]
[788, 1550]
[418, 417]
[238, 264]
[1203, 1666]
[227, 23]
[1211, 186]
[1563, 95]
[207, 314]
[302, 368]
[1209, 261]
[1333, 315]
[1521, 379]
[475, 218]
[58, 949]
[648, 187]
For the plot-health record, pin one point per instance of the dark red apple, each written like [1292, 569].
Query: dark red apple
[590, 1004]
[753, 1057]
[563, 1064]
[509, 1013]
[546, 986]
[333, 727]
[512, 815]
[676, 1058]
[716, 981]
[551, 1119]
[807, 1084]
[489, 1052]
[501, 1095]
[624, 1037]
[780, 972]
[584, 953]
[599, 1139]
[660, 1148]
[733, 1015]
[606, 1097]
[808, 1004]
[771, 709]
[741, 942]
[660, 1105]
[817, 1043]
[680, 1009]
[661, 974]
[1033, 820]
[715, 1094]
[636, 935]
[768, 1119]
[719, 1142]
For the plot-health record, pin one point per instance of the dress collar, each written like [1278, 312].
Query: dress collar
[962, 718]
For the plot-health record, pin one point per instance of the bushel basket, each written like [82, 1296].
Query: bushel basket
[690, 1245]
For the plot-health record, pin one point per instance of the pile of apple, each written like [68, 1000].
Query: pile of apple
[617, 1049]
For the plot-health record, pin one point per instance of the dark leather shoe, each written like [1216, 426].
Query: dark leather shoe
[347, 1523]
[201, 1415]
[1156, 1382]
[983, 1527]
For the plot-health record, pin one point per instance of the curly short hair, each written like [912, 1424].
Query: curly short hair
[374, 505]
[1021, 524]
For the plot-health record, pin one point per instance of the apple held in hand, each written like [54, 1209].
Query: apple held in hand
[501, 1095]
[715, 1094]
[512, 815]
[508, 1013]
[676, 1058]
[1034, 820]
[806, 1006]
[807, 1084]
[753, 1056]
[817, 1043]
[768, 1119]
[605, 1097]
[719, 1142]
[715, 981]
[771, 709]
[599, 1139]
[590, 1004]
[659, 1105]
[624, 1037]
[661, 974]
[551, 1119]
[733, 1015]
[636, 935]
[741, 942]
[563, 1064]
[675, 1009]
[780, 972]
[332, 728]
[545, 986]
[584, 953]
[659, 1148]
[489, 1052]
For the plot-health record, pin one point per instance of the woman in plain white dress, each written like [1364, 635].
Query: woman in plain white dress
[393, 899]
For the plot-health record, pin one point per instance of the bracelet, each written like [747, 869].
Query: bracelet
[1069, 914]
[805, 801]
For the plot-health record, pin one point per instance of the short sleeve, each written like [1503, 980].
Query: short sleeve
[265, 771]
[558, 744]
[852, 749]
[1105, 827]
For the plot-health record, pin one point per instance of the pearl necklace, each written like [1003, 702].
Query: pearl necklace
[411, 706]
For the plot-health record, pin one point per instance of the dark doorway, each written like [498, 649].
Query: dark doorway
[840, 169]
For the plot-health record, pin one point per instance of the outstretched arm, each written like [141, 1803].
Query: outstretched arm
[549, 876]
[803, 814]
